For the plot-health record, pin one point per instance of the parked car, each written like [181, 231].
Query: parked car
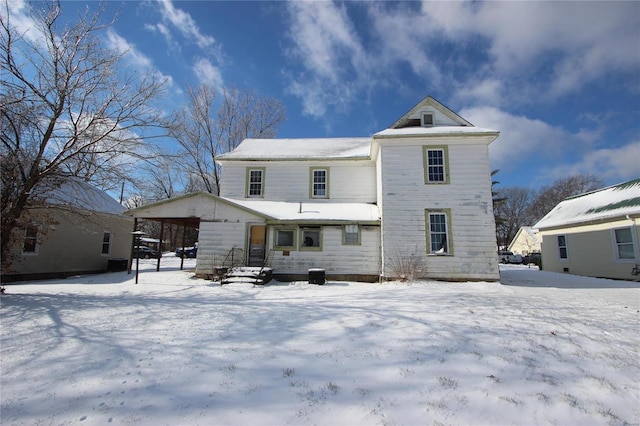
[145, 252]
[190, 252]
[532, 259]
[509, 257]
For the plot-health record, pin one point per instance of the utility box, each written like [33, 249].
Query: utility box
[316, 276]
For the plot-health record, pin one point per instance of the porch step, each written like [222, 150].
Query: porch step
[247, 274]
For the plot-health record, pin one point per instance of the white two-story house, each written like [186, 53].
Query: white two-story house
[417, 193]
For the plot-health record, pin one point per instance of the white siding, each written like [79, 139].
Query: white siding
[405, 197]
[335, 258]
[349, 180]
[216, 239]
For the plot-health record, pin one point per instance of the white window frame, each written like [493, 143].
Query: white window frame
[313, 183]
[249, 182]
[108, 243]
[560, 247]
[616, 245]
[36, 239]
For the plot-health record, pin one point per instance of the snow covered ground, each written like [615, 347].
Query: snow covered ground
[537, 348]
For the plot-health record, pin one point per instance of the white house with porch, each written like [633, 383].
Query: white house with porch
[418, 192]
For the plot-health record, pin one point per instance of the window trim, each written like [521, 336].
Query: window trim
[293, 245]
[425, 163]
[36, 249]
[358, 233]
[565, 246]
[304, 229]
[312, 170]
[422, 120]
[247, 185]
[109, 243]
[449, 231]
[616, 245]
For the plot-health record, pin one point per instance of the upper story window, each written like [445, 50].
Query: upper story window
[563, 253]
[624, 244]
[255, 182]
[427, 119]
[30, 245]
[436, 167]
[319, 183]
[106, 242]
[439, 232]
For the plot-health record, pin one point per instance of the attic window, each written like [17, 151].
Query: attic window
[427, 119]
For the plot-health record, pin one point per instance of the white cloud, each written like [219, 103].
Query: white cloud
[185, 24]
[335, 66]
[520, 137]
[134, 56]
[207, 73]
[611, 164]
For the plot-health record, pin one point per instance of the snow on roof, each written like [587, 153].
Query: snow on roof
[295, 149]
[615, 201]
[435, 131]
[79, 194]
[311, 211]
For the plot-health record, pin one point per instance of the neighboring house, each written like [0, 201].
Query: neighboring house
[76, 229]
[594, 234]
[356, 207]
[526, 241]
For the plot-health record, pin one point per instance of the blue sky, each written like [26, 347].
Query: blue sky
[560, 80]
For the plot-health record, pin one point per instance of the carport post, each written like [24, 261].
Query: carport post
[133, 243]
[160, 244]
[184, 236]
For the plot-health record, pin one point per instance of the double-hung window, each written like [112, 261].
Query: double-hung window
[436, 164]
[351, 235]
[255, 182]
[438, 224]
[624, 244]
[563, 252]
[30, 245]
[319, 183]
[106, 242]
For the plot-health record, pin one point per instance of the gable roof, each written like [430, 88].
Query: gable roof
[79, 194]
[604, 204]
[430, 104]
[296, 149]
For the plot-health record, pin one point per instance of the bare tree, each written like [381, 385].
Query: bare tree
[513, 211]
[67, 107]
[549, 196]
[203, 136]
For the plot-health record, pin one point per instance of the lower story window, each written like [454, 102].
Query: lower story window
[438, 232]
[624, 244]
[106, 242]
[311, 239]
[562, 247]
[285, 239]
[351, 235]
[30, 245]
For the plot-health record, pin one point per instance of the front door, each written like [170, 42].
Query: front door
[257, 244]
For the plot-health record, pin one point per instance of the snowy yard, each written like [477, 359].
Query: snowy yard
[538, 348]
